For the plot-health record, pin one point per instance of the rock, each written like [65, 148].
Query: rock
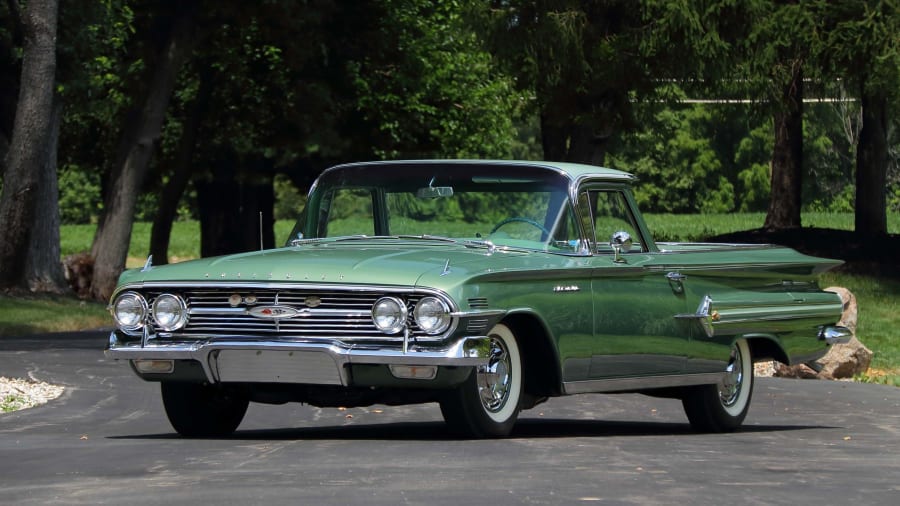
[801, 371]
[764, 369]
[846, 360]
[842, 360]
[851, 310]
[79, 270]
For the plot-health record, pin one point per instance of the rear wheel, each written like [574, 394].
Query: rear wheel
[196, 410]
[488, 403]
[723, 407]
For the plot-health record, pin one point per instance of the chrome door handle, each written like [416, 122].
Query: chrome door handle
[676, 282]
[676, 276]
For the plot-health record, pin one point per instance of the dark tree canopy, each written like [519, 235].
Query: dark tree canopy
[195, 109]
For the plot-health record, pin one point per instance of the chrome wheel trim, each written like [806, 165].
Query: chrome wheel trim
[734, 387]
[499, 382]
[494, 378]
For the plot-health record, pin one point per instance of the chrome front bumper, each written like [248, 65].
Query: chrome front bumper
[295, 360]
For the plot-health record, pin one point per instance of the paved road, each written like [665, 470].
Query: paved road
[107, 441]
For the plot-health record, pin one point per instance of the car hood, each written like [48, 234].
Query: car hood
[362, 263]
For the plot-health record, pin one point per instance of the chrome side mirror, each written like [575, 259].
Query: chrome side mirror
[620, 243]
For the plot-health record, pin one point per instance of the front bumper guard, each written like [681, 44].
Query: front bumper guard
[296, 360]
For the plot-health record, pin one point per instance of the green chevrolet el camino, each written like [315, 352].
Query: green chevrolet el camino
[485, 286]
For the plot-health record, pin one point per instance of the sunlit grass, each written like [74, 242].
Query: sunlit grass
[698, 227]
[185, 240]
[879, 318]
[32, 314]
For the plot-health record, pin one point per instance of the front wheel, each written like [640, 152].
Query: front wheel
[723, 407]
[488, 403]
[196, 410]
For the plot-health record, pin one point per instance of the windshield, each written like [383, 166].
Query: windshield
[514, 206]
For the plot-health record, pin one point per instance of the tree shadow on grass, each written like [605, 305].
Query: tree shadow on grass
[863, 255]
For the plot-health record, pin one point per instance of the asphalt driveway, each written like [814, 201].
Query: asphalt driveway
[107, 441]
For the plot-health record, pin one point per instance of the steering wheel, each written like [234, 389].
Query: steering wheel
[519, 219]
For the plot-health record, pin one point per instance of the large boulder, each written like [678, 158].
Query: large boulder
[841, 361]
[846, 360]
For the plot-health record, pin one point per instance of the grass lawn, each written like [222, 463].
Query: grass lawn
[20, 315]
[879, 318]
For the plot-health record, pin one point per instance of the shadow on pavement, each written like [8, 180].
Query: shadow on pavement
[84, 340]
[525, 429]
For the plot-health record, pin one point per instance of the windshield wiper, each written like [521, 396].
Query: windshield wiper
[426, 237]
[363, 237]
[302, 242]
[314, 240]
[480, 243]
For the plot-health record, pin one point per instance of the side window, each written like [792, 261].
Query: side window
[346, 211]
[611, 214]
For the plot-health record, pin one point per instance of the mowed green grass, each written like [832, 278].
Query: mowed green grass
[32, 314]
[879, 318]
[185, 241]
[698, 227]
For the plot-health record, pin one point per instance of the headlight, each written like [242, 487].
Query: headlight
[130, 311]
[389, 315]
[432, 315]
[170, 312]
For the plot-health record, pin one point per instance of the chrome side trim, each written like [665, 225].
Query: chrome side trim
[478, 312]
[645, 383]
[736, 318]
[319, 356]
[702, 316]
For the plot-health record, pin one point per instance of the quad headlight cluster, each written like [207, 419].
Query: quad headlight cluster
[131, 311]
[431, 314]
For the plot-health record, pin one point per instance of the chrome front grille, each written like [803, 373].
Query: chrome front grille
[333, 314]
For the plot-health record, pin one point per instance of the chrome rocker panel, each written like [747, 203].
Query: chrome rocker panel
[296, 361]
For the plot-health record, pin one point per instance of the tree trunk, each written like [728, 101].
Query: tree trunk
[229, 212]
[174, 189]
[43, 269]
[585, 146]
[872, 161]
[553, 139]
[110, 248]
[29, 150]
[787, 157]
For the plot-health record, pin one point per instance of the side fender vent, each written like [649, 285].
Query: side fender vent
[478, 303]
[477, 326]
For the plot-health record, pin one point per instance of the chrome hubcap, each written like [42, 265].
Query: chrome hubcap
[495, 378]
[730, 386]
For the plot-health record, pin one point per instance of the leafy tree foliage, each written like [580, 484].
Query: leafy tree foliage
[430, 90]
[273, 92]
[859, 43]
[578, 58]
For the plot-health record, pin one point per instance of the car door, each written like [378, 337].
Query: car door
[634, 303]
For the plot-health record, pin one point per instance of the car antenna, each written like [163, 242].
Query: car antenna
[260, 232]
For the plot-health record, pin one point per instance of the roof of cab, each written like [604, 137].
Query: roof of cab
[573, 170]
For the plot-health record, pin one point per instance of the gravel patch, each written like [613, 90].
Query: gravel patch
[16, 394]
